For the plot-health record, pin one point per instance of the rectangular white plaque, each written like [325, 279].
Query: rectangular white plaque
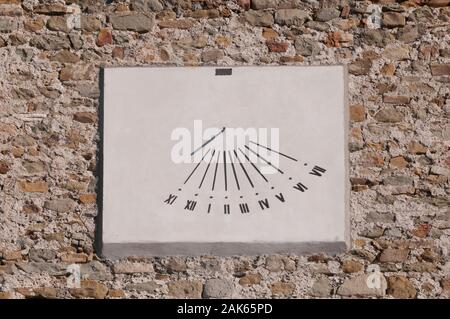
[208, 160]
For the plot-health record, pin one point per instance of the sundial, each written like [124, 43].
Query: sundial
[208, 160]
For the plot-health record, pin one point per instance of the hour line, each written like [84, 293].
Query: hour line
[243, 168]
[267, 148]
[207, 168]
[234, 171]
[215, 171]
[259, 156]
[225, 168]
[208, 141]
[197, 166]
[254, 166]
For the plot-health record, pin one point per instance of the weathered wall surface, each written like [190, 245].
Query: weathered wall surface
[50, 54]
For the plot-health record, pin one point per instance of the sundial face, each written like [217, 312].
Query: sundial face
[224, 161]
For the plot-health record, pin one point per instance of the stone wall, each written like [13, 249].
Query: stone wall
[399, 62]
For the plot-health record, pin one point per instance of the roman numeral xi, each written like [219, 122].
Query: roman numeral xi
[171, 199]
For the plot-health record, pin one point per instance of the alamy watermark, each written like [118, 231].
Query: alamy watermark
[227, 144]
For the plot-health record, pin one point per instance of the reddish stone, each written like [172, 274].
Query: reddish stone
[4, 167]
[357, 113]
[421, 230]
[245, 4]
[104, 37]
[277, 46]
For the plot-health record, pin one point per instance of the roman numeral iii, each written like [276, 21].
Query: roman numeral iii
[244, 208]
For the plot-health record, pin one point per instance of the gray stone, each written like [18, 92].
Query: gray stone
[388, 115]
[41, 254]
[185, 289]
[327, 14]
[393, 19]
[377, 37]
[176, 265]
[76, 40]
[321, 288]
[218, 288]
[360, 67]
[319, 26]
[438, 170]
[8, 24]
[147, 5]
[58, 23]
[50, 42]
[34, 167]
[391, 255]
[259, 18]
[23, 140]
[95, 270]
[77, 72]
[139, 22]
[274, 263]
[212, 55]
[150, 287]
[132, 268]
[364, 286]
[87, 89]
[420, 267]
[211, 264]
[408, 34]
[398, 180]
[61, 205]
[291, 17]
[26, 54]
[264, 4]
[90, 23]
[306, 47]
[42, 267]
[377, 217]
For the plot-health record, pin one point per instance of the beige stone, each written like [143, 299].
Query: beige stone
[34, 187]
[185, 289]
[400, 287]
[282, 289]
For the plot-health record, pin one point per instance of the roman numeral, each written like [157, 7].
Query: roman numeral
[244, 208]
[190, 205]
[300, 187]
[317, 170]
[171, 199]
[280, 197]
[264, 203]
[226, 209]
